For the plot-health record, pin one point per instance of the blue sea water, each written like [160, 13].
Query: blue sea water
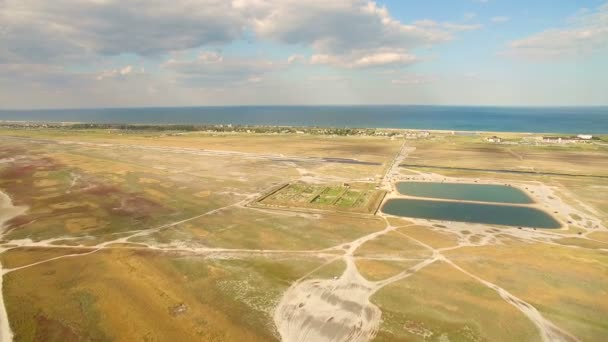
[591, 120]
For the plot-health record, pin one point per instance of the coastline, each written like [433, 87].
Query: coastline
[241, 128]
[564, 120]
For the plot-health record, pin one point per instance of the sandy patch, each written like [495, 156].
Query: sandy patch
[203, 194]
[65, 205]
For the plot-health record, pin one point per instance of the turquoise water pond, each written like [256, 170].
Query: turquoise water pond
[465, 192]
[470, 212]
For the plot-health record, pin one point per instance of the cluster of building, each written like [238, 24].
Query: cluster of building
[494, 139]
[567, 140]
[548, 139]
[417, 135]
[400, 134]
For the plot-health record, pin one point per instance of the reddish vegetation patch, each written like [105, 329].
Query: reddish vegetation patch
[139, 207]
[126, 204]
[52, 330]
[26, 167]
[17, 179]
[18, 171]
[19, 221]
[23, 220]
[11, 152]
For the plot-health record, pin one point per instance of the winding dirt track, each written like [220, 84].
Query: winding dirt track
[335, 309]
[331, 310]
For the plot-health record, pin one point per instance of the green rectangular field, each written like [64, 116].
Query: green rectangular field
[355, 197]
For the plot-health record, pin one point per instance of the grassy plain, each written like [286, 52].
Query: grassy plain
[393, 245]
[248, 228]
[439, 303]
[567, 285]
[156, 236]
[474, 152]
[140, 295]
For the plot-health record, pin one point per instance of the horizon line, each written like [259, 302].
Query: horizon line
[302, 105]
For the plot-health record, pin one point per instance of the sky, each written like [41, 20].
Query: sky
[144, 53]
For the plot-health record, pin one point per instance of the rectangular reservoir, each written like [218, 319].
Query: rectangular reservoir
[465, 192]
[470, 212]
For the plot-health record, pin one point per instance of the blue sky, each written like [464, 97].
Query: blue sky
[112, 53]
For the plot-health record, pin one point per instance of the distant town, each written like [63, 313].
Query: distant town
[392, 133]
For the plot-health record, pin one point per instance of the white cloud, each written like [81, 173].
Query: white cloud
[48, 44]
[214, 69]
[588, 32]
[255, 79]
[33, 74]
[413, 79]
[328, 78]
[469, 16]
[295, 59]
[385, 58]
[345, 33]
[210, 57]
[472, 75]
[461, 27]
[66, 30]
[365, 59]
[447, 26]
[500, 19]
[128, 70]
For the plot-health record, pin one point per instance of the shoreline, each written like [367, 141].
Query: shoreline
[236, 128]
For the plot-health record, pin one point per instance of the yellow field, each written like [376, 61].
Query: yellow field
[149, 236]
[440, 303]
[126, 296]
[566, 285]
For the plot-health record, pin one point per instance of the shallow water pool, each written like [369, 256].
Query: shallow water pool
[470, 212]
[465, 192]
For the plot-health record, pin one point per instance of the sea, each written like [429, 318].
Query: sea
[566, 120]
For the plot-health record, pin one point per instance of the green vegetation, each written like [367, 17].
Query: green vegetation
[355, 197]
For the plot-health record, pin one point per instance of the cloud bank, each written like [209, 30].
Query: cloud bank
[350, 32]
[587, 33]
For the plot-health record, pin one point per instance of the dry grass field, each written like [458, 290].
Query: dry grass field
[151, 236]
[440, 303]
[473, 152]
[139, 295]
[566, 285]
